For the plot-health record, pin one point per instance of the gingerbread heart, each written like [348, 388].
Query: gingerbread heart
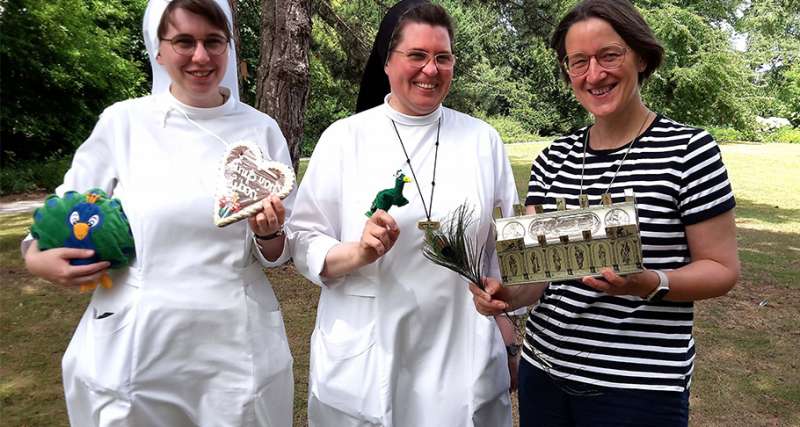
[246, 180]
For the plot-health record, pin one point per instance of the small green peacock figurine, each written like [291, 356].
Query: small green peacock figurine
[385, 199]
[86, 221]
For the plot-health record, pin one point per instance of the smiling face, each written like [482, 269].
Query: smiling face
[418, 91]
[196, 78]
[604, 93]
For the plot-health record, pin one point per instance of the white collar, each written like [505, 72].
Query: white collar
[171, 104]
[405, 119]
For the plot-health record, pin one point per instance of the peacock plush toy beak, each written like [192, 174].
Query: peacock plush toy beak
[406, 179]
[80, 229]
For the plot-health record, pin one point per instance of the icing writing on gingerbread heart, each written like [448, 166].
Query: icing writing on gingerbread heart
[247, 180]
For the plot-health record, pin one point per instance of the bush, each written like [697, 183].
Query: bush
[786, 135]
[510, 129]
[63, 61]
[723, 135]
[21, 176]
[16, 179]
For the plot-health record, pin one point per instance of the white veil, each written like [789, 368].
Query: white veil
[161, 80]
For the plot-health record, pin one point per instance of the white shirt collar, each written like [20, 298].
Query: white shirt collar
[405, 119]
[171, 104]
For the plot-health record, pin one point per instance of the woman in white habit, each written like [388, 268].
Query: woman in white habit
[397, 341]
[191, 333]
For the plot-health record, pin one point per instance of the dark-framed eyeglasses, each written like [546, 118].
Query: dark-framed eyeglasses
[186, 45]
[609, 57]
[420, 58]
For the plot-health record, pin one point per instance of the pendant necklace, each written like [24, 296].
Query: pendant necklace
[426, 225]
[625, 156]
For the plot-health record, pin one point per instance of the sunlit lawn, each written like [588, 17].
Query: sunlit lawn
[747, 372]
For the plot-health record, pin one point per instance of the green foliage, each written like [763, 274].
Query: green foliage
[506, 69]
[726, 134]
[249, 20]
[334, 84]
[20, 176]
[786, 135]
[788, 94]
[703, 81]
[63, 62]
[510, 129]
[713, 10]
[772, 29]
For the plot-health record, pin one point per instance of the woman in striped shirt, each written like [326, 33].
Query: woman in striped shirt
[619, 350]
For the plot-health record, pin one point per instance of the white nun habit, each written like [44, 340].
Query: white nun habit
[191, 333]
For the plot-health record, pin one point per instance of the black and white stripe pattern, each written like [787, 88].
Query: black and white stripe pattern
[575, 332]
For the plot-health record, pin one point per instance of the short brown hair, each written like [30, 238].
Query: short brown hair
[424, 13]
[208, 9]
[626, 21]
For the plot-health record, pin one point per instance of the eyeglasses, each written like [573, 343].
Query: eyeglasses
[420, 58]
[186, 45]
[609, 57]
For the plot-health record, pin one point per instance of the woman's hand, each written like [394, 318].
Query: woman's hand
[53, 265]
[638, 284]
[380, 234]
[268, 220]
[495, 298]
[713, 271]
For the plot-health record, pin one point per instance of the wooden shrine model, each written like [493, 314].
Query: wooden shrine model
[569, 244]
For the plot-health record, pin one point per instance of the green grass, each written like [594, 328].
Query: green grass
[746, 372]
[766, 181]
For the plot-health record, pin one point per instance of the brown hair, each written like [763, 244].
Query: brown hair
[625, 20]
[424, 13]
[208, 9]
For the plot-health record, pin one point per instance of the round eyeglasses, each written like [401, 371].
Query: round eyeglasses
[186, 45]
[420, 58]
[609, 57]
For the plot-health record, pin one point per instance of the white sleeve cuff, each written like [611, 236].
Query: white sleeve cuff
[315, 260]
[282, 258]
[25, 245]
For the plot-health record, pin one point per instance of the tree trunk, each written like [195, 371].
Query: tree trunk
[283, 72]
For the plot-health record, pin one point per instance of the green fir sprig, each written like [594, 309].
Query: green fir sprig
[452, 248]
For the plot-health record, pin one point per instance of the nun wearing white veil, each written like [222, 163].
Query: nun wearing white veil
[191, 333]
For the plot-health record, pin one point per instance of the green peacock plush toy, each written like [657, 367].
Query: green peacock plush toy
[86, 221]
[385, 199]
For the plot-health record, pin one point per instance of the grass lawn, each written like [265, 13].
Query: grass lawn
[746, 373]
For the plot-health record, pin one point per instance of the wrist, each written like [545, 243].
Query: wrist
[364, 255]
[275, 235]
[649, 284]
[661, 289]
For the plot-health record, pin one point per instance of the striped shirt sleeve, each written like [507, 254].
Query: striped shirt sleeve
[706, 190]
